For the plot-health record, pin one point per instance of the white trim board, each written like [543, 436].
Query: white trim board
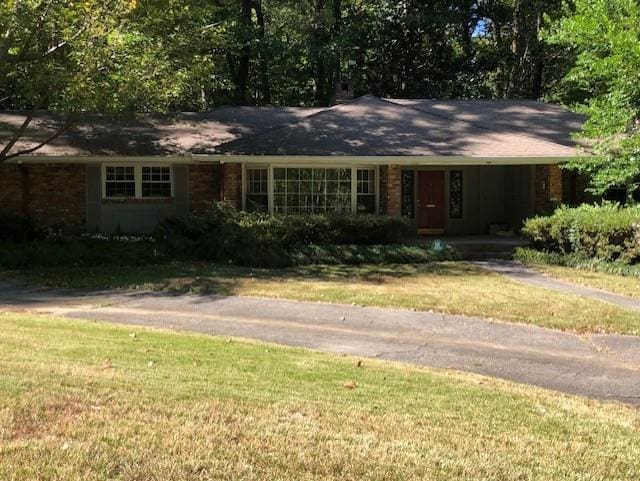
[297, 159]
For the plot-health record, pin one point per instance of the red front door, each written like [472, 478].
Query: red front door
[430, 205]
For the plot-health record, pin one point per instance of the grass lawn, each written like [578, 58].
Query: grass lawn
[451, 287]
[624, 285]
[90, 401]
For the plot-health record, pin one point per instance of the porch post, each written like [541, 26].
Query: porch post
[390, 190]
[548, 188]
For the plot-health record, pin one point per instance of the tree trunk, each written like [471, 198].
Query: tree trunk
[336, 69]
[317, 44]
[538, 56]
[239, 68]
[262, 52]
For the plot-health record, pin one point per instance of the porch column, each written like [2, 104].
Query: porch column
[232, 184]
[390, 190]
[548, 188]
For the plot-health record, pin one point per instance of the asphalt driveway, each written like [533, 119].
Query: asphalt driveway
[599, 366]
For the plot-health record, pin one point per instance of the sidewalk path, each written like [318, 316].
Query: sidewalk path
[518, 272]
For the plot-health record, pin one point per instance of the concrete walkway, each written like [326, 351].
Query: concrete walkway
[599, 366]
[518, 272]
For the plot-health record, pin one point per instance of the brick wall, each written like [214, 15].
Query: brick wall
[232, 184]
[205, 182]
[390, 190]
[58, 195]
[55, 193]
[548, 188]
[11, 200]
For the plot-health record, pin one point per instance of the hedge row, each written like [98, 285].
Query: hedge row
[607, 232]
[224, 235]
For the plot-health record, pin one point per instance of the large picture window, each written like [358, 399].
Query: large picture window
[311, 190]
[257, 190]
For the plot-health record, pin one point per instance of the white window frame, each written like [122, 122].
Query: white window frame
[354, 180]
[137, 174]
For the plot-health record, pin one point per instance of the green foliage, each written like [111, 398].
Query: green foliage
[226, 236]
[604, 83]
[532, 257]
[80, 252]
[152, 55]
[354, 254]
[606, 232]
[15, 228]
[223, 234]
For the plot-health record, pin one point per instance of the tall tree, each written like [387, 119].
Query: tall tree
[42, 65]
[604, 83]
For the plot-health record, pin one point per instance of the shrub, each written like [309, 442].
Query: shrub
[533, 257]
[15, 228]
[607, 232]
[225, 235]
[84, 251]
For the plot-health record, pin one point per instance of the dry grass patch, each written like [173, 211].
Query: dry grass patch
[623, 285]
[450, 287]
[210, 409]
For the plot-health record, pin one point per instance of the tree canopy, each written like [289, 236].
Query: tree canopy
[604, 83]
[124, 56]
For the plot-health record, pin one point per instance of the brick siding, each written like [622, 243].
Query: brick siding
[56, 194]
[205, 182]
[11, 197]
[548, 188]
[390, 190]
[232, 184]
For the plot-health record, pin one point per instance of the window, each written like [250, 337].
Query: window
[366, 191]
[257, 190]
[120, 181]
[407, 199]
[307, 190]
[455, 194]
[156, 181]
[137, 181]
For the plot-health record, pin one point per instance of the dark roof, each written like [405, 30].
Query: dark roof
[364, 127]
[528, 117]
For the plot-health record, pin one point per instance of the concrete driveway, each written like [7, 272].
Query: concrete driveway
[599, 366]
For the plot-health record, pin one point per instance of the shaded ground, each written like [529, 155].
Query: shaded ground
[600, 366]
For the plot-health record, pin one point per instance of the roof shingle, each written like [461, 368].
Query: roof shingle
[367, 126]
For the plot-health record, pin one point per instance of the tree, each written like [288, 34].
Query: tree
[69, 57]
[604, 83]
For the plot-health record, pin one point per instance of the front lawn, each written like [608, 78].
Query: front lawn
[451, 287]
[615, 277]
[623, 285]
[90, 401]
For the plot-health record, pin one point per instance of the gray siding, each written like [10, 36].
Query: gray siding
[136, 216]
[94, 197]
[491, 195]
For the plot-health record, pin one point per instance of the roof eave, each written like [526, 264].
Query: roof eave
[408, 160]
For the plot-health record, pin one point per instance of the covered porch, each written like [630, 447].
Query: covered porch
[459, 200]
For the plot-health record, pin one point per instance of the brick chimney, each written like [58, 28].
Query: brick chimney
[343, 91]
